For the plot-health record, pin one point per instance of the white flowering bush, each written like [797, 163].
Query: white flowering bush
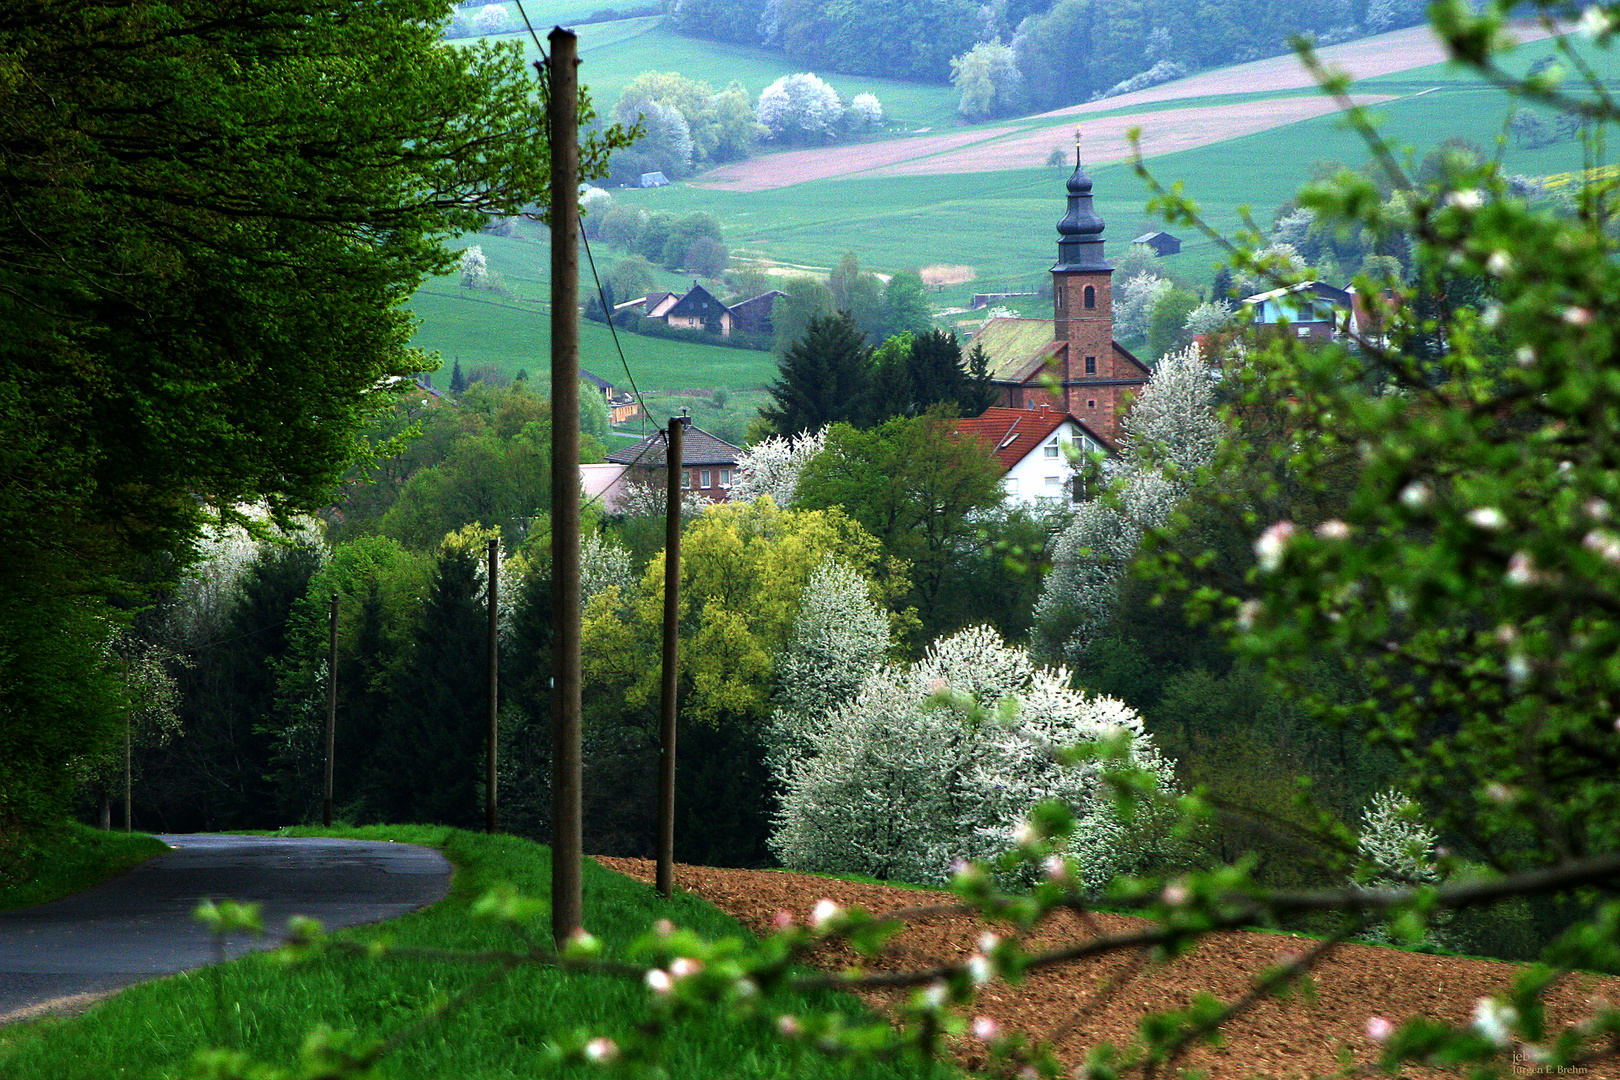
[1397, 850]
[945, 759]
[1170, 432]
[865, 110]
[474, 268]
[1133, 303]
[1209, 318]
[491, 19]
[773, 466]
[837, 639]
[603, 564]
[799, 106]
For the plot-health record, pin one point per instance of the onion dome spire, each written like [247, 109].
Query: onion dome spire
[1080, 243]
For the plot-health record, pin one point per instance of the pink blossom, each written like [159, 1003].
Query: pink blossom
[1175, 894]
[789, 1026]
[601, 1050]
[1272, 544]
[985, 1029]
[1578, 316]
[1379, 1029]
[659, 980]
[783, 919]
[1333, 529]
[1057, 871]
[685, 967]
[663, 928]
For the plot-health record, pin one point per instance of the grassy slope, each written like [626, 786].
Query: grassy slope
[72, 858]
[999, 223]
[152, 1030]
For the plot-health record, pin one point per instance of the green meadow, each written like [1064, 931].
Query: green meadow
[264, 1007]
[999, 223]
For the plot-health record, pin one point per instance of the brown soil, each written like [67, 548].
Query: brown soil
[1019, 145]
[1078, 1005]
[1106, 139]
[946, 274]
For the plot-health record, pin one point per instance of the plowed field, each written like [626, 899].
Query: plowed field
[1080, 1004]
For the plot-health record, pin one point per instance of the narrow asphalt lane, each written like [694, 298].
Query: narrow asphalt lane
[138, 925]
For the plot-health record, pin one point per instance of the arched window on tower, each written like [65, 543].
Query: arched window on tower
[1091, 296]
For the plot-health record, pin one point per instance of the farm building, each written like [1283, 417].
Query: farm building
[654, 179]
[1162, 243]
[1312, 310]
[1071, 362]
[698, 309]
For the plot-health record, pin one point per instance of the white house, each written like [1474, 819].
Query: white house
[1037, 448]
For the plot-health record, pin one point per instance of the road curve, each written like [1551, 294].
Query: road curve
[138, 925]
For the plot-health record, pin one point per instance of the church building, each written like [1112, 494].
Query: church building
[1070, 362]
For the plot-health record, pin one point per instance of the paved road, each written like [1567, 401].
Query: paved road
[138, 925]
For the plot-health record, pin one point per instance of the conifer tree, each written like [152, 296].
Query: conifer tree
[824, 378]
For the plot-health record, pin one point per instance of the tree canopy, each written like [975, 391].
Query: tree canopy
[213, 219]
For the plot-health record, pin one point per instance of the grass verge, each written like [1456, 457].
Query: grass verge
[155, 1029]
[68, 859]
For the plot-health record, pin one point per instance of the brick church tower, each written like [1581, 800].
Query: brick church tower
[1072, 362]
[1101, 376]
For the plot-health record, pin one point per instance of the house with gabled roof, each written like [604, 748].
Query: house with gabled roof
[708, 463]
[1070, 363]
[1037, 450]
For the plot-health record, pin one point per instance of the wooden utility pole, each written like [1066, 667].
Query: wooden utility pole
[674, 466]
[567, 898]
[129, 771]
[492, 745]
[331, 709]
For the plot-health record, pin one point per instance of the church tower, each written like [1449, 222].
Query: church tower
[1100, 377]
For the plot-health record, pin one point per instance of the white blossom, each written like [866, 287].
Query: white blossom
[491, 19]
[799, 106]
[1273, 544]
[475, 273]
[866, 110]
[773, 466]
[1133, 303]
[1399, 847]
[1494, 1021]
[837, 638]
[1170, 432]
[901, 783]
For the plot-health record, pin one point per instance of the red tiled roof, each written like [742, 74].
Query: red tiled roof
[1012, 434]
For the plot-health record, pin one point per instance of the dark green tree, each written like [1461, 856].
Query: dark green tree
[916, 485]
[429, 760]
[212, 216]
[823, 379]
[907, 301]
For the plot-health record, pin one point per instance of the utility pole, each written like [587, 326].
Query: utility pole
[567, 899]
[493, 742]
[331, 708]
[129, 771]
[674, 463]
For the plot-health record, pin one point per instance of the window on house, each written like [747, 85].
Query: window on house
[725, 478]
[1054, 484]
[1303, 331]
[686, 478]
[1010, 485]
[1091, 296]
[705, 479]
[1091, 404]
[1051, 448]
[1091, 365]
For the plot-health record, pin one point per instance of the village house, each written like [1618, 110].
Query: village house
[708, 463]
[1036, 449]
[1313, 310]
[699, 309]
[1071, 362]
[621, 407]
